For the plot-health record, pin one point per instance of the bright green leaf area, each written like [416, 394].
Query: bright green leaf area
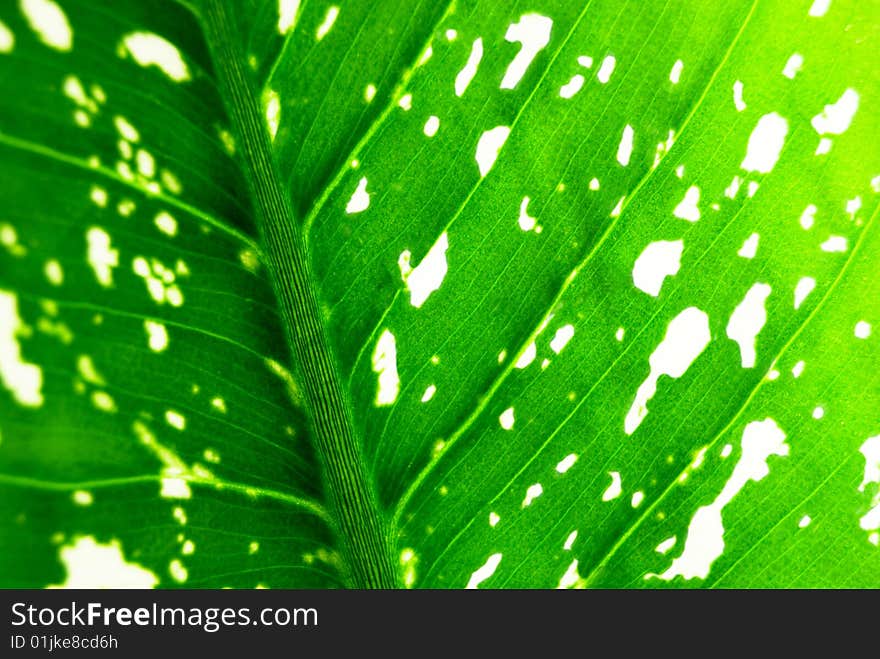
[600, 278]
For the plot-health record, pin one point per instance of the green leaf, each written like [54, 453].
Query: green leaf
[566, 294]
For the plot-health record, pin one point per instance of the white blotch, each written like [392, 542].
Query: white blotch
[823, 147]
[738, 101]
[793, 65]
[327, 24]
[494, 519]
[370, 93]
[428, 275]
[705, 538]
[272, 109]
[103, 401]
[561, 338]
[803, 288]
[834, 244]
[808, 217]
[594, 184]
[532, 493]
[569, 541]
[679, 171]
[853, 206]
[86, 368]
[571, 578]
[533, 32]
[429, 393]
[572, 87]
[157, 335]
[405, 102]
[90, 564]
[506, 419]
[385, 365]
[528, 356]
[615, 489]
[733, 189]
[125, 129]
[687, 208]
[657, 261]
[624, 149]
[566, 463]
[798, 369]
[426, 55]
[727, 450]
[83, 498]
[585, 61]
[188, 548]
[687, 335]
[150, 49]
[22, 379]
[836, 117]
[488, 147]
[175, 419]
[818, 412]
[287, 11]
[101, 256]
[502, 356]
[765, 143]
[773, 374]
[675, 73]
[177, 571]
[451, 35]
[606, 69]
[750, 247]
[747, 320]
[819, 7]
[753, 188]
[619, 334]
[870, 449]
[166, 223]
[431, 126]
[146, 164]
[7, 39]
[53, 272]
[360, 198]
[862, 330]
[526, 221]
[637, 499]
[618, 208]
[486, 571]
[50, 23]
[666, 545]
[804, 522]
[464, 77]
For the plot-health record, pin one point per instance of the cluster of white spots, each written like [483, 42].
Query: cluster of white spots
[660, 259]
[532, 492]
[90, 564]
[385, 366]
[9, 240]
[835, 119]
[750, 247]
[624, 149]
[272, 110]
[675, 72]
[179, 515]
[606, 69]
[615, 489]
[432, 125]
[798, 369]
[49, 23]
[211, 456]
[561, 338]
[793, 65]
[360, 198]
[765, 144]
[705, 538]
[82, 498]
[370, 92]
[494, 519]
[22, 379]
[428, 275]
[429, 393]
[573, 86]
[101, 256]
[87, 106]
[177, 570]
[819, 7]
[533, 32]
[166, 223]
[666, 545]
[157, 335]
[637, 499]
[408, 561]
[747, 320]
[327, 24]
[738, 101]
[862, 330]
[565, 464]
[53, 272]
[686, 337]
[802, 289]
[834, 244]
[7, 39]
[507, 419]
[808, 217]
[464, 77]
[175, 473]
[148, 49]
[571, 578]
[687, 208]
[662, 149]
[488, 147]
[526, 221]
[287, 15]
[484, 572]
[159, 280]
[227, 140]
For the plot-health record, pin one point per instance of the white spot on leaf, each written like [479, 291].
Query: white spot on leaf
[750, 247]
[464, 77]
[675, 73]
[101, 256]
[572, 87]
[624, 149]
[488, 147]
[22, 379]
[150, 49]
[566, 463]
[657, 261]
[385, 365]
[90, 564]
[428, 275]
[287, 11]
[533, 32]
[606, 69]
[360, 198]
[836, 118]
[327, 24]
[532, 493]
[765, 144]
[738, 101]
[747, 320]
[803, 288]
[486, 571]
[50, 23]
[507, 419]
[687, 208]
[615, 489]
